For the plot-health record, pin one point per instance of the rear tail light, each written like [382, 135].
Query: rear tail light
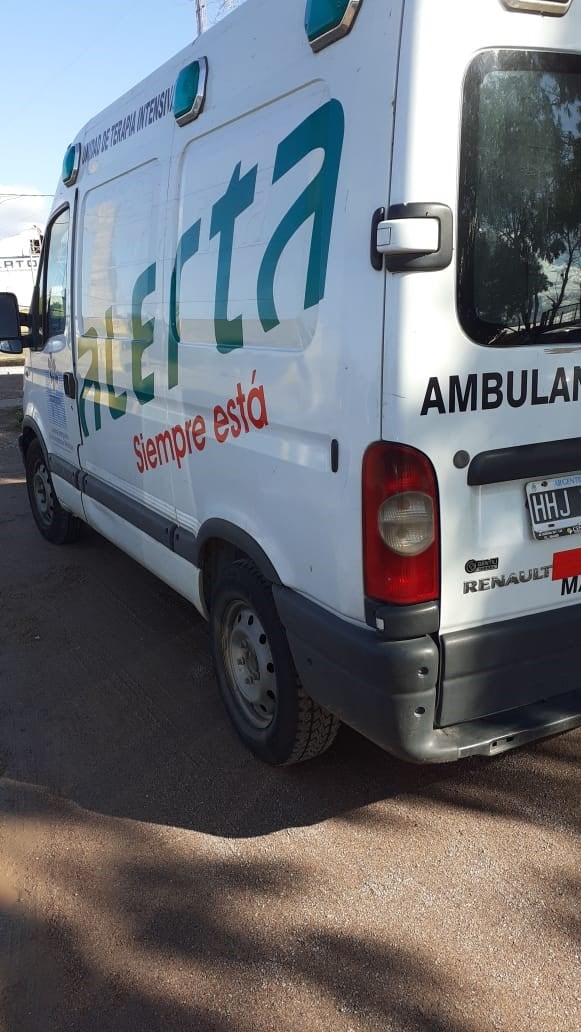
[406, 522]
[400, 525]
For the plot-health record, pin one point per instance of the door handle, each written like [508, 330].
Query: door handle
[397, 237]
[413, 237]
[70, 385]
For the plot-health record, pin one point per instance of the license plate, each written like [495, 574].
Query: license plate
[555, 506]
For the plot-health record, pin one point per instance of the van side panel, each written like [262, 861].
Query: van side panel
[250, 226]
[273, 295]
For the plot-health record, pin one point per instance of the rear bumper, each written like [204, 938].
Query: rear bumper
[393, 692]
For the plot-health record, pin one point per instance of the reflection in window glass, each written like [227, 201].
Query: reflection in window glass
[118, 243]
[55, 293]
[522, 206]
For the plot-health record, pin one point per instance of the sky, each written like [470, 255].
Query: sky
[62, 62]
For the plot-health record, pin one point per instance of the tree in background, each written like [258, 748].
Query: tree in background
[527, 226]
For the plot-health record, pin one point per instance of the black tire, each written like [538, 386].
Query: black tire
[271, 712]
[54, 523]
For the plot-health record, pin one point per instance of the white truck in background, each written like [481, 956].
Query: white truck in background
[19, 258]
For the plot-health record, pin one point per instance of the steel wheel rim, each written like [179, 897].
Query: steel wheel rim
[249, 665]
[42, 490]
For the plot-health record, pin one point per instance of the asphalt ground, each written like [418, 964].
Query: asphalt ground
[153, 876]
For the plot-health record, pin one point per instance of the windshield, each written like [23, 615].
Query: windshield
[520, 197]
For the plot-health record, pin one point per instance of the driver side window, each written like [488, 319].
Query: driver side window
[53, 301]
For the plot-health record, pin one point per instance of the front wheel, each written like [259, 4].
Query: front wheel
[54, 523]
[258, 682]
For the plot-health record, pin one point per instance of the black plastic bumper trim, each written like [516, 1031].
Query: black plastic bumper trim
[504, 731]
[387, 690]
[525, 462]
[154, 524]
[66, 471]
[508, 664]
[183, 542]
[396, 623]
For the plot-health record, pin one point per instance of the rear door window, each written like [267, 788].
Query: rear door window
[519, 247]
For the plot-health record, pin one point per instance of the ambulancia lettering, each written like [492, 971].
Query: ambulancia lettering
[480, 392]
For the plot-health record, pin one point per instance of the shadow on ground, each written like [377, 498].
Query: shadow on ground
[146, 933]
[141, 887]
[113, 705]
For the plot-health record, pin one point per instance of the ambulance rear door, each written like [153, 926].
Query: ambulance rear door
[482, 365]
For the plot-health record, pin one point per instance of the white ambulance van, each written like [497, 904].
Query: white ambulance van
[306, 343]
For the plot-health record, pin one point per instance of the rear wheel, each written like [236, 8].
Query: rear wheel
[264, 698]
[54, 523]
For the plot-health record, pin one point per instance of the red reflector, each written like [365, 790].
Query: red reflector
[388, 470]
[566, 564]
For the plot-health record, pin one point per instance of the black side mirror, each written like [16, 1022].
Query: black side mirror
[9, 317]
[11, 347]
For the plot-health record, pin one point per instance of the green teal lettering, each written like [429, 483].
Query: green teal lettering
[143, 386]
[238, 197]
[117, 402]
[88, 343]
[187, 248]
[324, 129]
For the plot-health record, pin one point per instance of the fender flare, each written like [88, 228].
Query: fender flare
[30, 424]
[223, 530]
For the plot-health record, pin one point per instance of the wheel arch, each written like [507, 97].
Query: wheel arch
[30, 432]
[220, 542]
